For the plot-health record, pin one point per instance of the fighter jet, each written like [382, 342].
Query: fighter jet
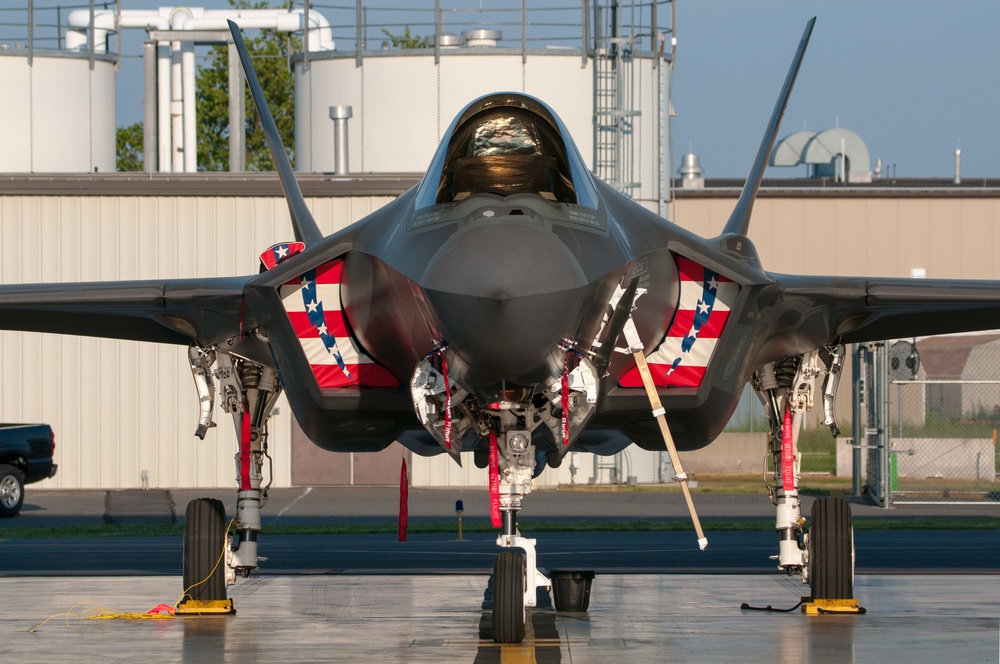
[515, 306]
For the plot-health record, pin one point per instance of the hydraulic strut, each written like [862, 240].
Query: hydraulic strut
[786, 390]
[250, 391]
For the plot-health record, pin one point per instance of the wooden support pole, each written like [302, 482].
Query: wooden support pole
[659, 413]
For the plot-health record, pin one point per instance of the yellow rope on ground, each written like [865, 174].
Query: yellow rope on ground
[98, 612]
[159, 612]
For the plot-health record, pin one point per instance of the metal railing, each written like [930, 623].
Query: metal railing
[41, 25]
[362, 27]
[524, 26]
[38, 24]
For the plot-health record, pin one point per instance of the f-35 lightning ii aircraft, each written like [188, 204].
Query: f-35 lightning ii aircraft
[512, 305]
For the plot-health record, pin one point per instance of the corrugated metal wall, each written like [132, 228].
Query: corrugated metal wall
[953, 235]
[119, 408]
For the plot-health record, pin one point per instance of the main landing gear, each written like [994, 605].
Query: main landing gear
[823, 556]
[211, 560]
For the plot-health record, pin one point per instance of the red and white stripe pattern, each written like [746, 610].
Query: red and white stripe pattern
[279, 253]
[702, 311]
[314, 310]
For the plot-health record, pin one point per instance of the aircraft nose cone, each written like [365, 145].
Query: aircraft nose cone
[505, 293]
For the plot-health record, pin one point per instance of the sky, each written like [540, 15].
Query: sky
[915, 80]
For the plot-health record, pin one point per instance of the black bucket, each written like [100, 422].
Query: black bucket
[571, 590]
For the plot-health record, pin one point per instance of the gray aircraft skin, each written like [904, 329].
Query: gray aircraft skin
[508, 256]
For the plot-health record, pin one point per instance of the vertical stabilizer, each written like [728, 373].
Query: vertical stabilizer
[739, 221]
[303, 223]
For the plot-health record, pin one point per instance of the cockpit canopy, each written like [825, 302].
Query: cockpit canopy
[506, 144]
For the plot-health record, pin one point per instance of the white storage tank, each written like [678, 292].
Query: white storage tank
[403, 99]
[58, 112]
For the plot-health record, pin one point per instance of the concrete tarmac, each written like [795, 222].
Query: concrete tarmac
[632, 618]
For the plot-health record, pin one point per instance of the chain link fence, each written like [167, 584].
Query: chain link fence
[944, 414]
[928, 415]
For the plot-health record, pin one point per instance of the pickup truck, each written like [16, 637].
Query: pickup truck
[25, 457]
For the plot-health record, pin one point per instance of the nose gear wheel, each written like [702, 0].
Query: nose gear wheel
[508, 597]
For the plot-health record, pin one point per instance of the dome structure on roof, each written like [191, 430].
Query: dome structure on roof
[822, 151]
[788, 151]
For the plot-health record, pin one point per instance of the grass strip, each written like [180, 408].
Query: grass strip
[526, 525]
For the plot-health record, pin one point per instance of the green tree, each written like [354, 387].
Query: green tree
[128, 148]
[270, 52]
[405, 40]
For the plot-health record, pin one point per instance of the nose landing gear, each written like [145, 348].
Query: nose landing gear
[515, 576]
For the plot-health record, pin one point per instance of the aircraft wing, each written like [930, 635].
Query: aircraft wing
[175, 311]
[869, 309]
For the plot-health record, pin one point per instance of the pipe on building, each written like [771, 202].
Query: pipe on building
[237, 112]
[149, 109]
[197, 18]
[176, 110]
[105, 21]
[190, 108]
[340, 115]
[176, 107]
[163, 107]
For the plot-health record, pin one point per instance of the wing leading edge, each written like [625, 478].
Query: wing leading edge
[176, 311]
[870, 309]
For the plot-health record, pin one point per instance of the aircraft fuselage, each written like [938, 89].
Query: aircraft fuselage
[515, 263]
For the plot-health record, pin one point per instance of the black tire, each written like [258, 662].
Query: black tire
[11, 491]
[204, 539]
[508, 597]
[831, 550]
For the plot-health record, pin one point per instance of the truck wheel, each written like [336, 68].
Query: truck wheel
[11, 490]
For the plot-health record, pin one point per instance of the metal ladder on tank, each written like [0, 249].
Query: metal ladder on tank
[614, 138]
